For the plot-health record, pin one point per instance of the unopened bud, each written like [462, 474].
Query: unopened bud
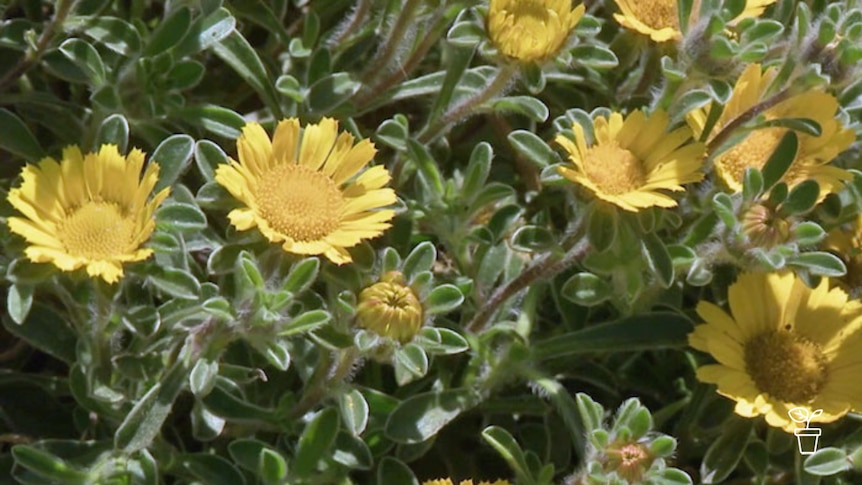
[390, 308]
[763, 227]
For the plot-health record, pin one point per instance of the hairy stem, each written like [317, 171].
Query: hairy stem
[356, 19]
[320, 382]
[745, 117]
[393, 41]
[32, 57]
[463, 109]
[545, 267]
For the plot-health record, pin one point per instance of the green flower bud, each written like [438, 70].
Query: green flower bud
[390, 308]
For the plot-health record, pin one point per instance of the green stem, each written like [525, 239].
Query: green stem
[393, 40]
[324, 376]
[64, 7]
[546, 267]
[463, 109]
[356, 19]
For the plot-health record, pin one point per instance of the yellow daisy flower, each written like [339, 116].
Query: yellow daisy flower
[659, 19]
[87, 211]
[531, 30]
[784, 345]
[755, 148]
[631, 160]
[299, 189]
[448, 481]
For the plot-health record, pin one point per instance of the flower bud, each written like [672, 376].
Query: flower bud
[763, 227]
[630, 461]
[390, 308]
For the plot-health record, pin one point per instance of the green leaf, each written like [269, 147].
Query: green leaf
[208, 156]
[302, 275]
[202, 379]
[203, 33]
[392, 471]
[532, 239]
[801, 198]
[528, 106]
[724, 454]
[602, 226]
[441, 341]
[658, 259]
[510, 450]
[217, 120]
[114, 33]
[477, 171]
[316, 440]
[802, 125]
[595, 56]
[182, 217]
[306, 322]
[646, 331]
[246, 453]
[352, 452]
[114, 130]
[226, 405]
[173, 156]
[273, 466]
[144, 421]
[242, 58]
[780, 160]
[586, 289]
[723, 205]
[212, 469]
[819, 263]
[48, 466]
[421, 416]
[47, 331]
[443, 299]
[329, 92]
[752, 184]
[809, 233]
[86, 58]
[458, 59]
[176, 282]
[17, 139]
[532, 148]
[19, 300]
[354, 411]
[394, 132]
[420, 259]
[826, 462]
[170, 31]
[411, 363]
[428, 170]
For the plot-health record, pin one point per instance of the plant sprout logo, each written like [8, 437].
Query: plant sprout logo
[807, 437]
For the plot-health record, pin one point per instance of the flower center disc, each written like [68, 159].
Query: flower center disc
[658, 14]
[786, 366]
[96, 230]
[299, 202]
[614, 169]
[753, 151]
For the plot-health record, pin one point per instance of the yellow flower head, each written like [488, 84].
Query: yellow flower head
[448, 481]
[390, 308]
[531, 30]
[87, 211]
[754, 149]
[299, 189]
[783, 345]
[631, 160]
[659, 19]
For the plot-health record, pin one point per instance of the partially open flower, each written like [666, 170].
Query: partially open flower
[764, 227]
[390, 308]
[629, 460]
[632, 159]
[89, 211]
[531, 30]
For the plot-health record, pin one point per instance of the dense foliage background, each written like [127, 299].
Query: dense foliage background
[225, 360]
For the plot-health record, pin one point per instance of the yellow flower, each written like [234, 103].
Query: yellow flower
[754, 149]
[299, 190]
[631, 160]
[659, 19]
[87, 211]
[448, 481]
[531, 30]
[784, 345]
[390, 308]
